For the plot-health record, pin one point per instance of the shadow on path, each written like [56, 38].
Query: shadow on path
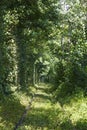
[40, 118]
[44, 115]
[10, 111]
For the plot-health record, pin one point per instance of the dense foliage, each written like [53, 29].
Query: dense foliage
[24, 30]
[43, 40]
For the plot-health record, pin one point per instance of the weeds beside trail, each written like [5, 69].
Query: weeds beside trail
[44, 114]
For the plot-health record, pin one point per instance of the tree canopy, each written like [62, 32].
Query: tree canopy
[41, 38]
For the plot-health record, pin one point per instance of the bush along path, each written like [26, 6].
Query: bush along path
[47, 115]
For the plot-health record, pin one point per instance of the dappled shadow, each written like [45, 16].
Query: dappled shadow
[10, 111]
[68, 125]
[43, 96]
[66, 100]
[65, 97]
[41, 118]
[81, 125]
[46, 88]
[28, 91]
[42, 89]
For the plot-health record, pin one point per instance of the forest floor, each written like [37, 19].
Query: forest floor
[45, 113]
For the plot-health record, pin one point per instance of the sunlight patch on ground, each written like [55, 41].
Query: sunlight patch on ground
[42, 105]
[44, 114]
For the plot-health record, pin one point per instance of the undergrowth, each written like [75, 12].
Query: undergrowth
[45, 114]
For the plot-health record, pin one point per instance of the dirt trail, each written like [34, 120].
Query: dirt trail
[43, 114]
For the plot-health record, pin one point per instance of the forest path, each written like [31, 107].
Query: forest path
[43, 114]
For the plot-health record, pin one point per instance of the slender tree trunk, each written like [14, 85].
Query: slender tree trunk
[34, 71]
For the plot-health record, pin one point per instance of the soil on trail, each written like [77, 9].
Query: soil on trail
[43, 114]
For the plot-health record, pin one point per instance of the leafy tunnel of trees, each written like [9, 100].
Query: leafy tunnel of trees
[43, 40]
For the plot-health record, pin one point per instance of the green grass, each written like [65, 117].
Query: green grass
[44, 114]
